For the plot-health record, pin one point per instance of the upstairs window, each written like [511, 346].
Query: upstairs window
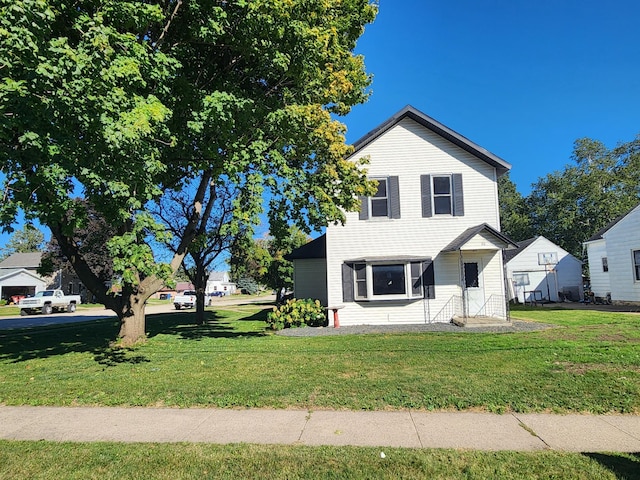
[442, 195]
[385, 203]
[380, 201]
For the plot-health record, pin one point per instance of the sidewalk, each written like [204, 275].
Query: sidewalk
[463, 430]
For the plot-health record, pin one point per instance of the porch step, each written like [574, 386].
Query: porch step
[477, 322]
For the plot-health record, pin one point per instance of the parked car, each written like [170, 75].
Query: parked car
[49, 301]
[186, 299]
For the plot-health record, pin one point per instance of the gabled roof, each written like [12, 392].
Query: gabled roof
[314, 249]
[445, 132]
[471, 232]
[509, 254]
[22, 260]
[182, 286]
[10, 272]
[218, 276]
[599, 234]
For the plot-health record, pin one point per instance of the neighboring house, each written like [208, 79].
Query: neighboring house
[19, 277]
[427, 246]
[220, 283]
[614, 260]
[541, 270]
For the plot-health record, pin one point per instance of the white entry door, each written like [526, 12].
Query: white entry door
[474, 290]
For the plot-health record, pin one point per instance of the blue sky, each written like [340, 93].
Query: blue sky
[523, 79]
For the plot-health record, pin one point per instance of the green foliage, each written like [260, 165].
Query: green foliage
[570, 205]
[514, 213]
[122, 102]
[25, 240]
[248, 285]
[297, 313]
[263, 258]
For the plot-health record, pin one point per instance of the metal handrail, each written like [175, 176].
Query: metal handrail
[452, 308]
[495, 306]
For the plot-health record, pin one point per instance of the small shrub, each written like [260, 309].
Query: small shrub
[3, 302]
[297, 313]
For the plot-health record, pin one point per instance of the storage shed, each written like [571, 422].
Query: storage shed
[540, 270]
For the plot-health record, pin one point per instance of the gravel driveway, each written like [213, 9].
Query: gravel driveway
[517, 326]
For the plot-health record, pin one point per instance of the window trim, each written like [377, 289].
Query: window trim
[428, 197]
[414, 270]
[435, 195]
[393, 200]
[635, 261]
[605, 264]
[370, 200]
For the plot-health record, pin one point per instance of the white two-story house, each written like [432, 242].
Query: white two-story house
[427, 246]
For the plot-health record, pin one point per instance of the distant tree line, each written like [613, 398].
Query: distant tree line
[568, 206]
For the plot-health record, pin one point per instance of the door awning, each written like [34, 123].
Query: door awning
[481, 237]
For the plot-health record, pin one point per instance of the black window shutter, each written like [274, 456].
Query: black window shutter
[428, 279]
[394, 197]
[458, 196]
[347, 283]
[425, 189]
[364, 208]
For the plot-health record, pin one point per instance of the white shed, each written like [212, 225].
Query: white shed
[541, 270]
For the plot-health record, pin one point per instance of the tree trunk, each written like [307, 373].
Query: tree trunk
[132, 319]
[200, 282]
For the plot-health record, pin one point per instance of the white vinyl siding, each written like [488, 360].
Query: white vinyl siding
[620, 243]
[410, 151]
[566, 275]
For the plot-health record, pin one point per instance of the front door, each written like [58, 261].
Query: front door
[473, 288]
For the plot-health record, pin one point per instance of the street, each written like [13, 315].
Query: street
[90, 314]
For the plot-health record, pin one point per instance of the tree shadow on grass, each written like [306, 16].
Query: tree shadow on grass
[215, 326]
[22, 345]
[623, 466]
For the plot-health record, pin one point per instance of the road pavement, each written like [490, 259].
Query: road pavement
[91, 314]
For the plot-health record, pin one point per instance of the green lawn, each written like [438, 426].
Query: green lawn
[590, 362]
[104, 461]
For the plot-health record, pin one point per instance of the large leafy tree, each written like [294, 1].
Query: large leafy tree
[514, 212]
[213, 237]
[24, 240]
[120, 102]
[262, 259]
[570, 205]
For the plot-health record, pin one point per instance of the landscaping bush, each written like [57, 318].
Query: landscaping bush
[297, 313]
[3, 302]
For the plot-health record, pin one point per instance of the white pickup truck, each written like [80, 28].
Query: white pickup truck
[49, 301]
[186, 299]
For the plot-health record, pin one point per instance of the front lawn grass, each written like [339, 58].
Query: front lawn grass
[589, 363]
[9, 310]
[104, 461]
